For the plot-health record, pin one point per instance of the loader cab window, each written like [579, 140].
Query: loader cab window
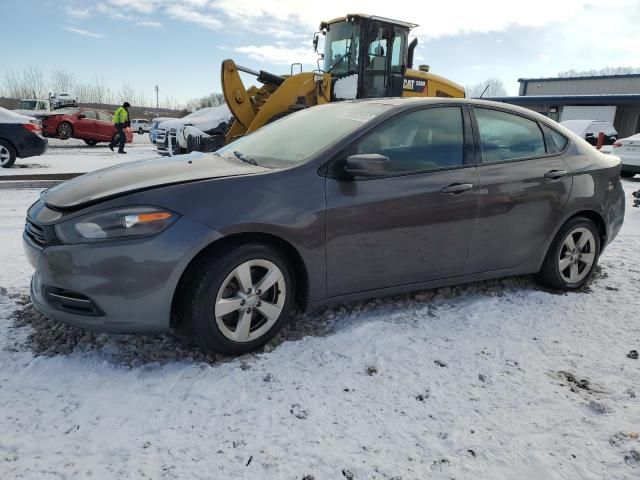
[341, 48]
[385, 58]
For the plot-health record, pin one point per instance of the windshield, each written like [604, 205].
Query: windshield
[297, 137]
[27, 105]
[341, 48]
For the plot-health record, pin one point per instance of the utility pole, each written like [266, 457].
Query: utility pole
[157, 89]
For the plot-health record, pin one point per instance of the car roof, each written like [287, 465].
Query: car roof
[403, 103]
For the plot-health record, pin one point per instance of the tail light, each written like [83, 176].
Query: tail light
[33, 127]
[617, 144]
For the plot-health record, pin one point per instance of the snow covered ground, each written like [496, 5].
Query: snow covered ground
[493, 380]
[74, 156]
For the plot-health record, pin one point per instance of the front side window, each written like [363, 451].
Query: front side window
[505, 137]
[89, 114]
[427, 139]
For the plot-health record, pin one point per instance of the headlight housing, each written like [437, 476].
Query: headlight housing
[117, 224]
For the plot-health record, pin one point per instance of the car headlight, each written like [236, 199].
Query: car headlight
[120, 223]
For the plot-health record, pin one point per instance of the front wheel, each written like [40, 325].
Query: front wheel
[572, 256]
[238, 298]
[7, 154]
[626, 174]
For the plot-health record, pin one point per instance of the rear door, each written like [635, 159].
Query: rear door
[412, 224]
[524, 187]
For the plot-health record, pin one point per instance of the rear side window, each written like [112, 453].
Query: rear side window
[556, 142]
[105, 117]
[427, 139]
[506, 137]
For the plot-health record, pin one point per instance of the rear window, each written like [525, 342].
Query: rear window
[556, 142]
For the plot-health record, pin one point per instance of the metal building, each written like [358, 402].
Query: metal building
[614, 98]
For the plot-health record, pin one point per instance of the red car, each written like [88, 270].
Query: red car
[87, 124]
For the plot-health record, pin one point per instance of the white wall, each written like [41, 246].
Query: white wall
[589, 112]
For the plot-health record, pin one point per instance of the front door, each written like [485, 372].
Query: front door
[86, 127]
[524, 187]
[413, 224]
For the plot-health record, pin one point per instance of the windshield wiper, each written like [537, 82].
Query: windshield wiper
[244, 158]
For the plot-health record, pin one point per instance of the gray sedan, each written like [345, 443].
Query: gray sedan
[333, 203]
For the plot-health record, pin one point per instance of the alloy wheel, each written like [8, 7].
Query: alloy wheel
[577, 255]
[250, 300]
[5, 155]
[64, 130]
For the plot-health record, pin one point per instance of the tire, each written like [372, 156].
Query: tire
[216, 279]
[7, 154]
[91, 143]
[585, 259]
[626, 174]
[64, 131]
[140, 131]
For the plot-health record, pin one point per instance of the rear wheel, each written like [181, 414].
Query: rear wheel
[7, 154]
[626, 174]
[572, 256]
[238, 298]
[91, 143]
[64, 131]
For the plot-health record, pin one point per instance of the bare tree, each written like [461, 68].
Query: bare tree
[61, 81]
[14, 86]
[211, 100]
[34, 81]
[491, 87]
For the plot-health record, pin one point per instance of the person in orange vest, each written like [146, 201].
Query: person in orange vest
[121, 121]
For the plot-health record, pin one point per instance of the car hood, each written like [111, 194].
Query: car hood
[143, 175]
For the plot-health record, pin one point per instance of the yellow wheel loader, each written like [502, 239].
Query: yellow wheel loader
[364, 57]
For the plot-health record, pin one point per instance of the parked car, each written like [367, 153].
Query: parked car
[590, 129]
[172, 137]
[87, 124]
[140, 125]
[628, 149]
[33, 107]
[19, 137]
[347, 200]
[153, 130]
[62, 100]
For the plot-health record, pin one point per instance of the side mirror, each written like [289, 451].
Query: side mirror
[315, 42]
[81, 116]
[367, 165]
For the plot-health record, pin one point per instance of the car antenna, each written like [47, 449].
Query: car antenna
[485, 90]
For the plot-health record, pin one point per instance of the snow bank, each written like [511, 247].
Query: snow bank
[203, 119]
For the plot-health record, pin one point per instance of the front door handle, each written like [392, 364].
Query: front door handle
[457, 188]
[555, 174]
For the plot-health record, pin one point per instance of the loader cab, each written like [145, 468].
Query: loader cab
[367, 56]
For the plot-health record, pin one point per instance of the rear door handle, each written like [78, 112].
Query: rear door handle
[457, 188]
[555, 174]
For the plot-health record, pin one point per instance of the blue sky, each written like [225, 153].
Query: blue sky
[179, 44]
